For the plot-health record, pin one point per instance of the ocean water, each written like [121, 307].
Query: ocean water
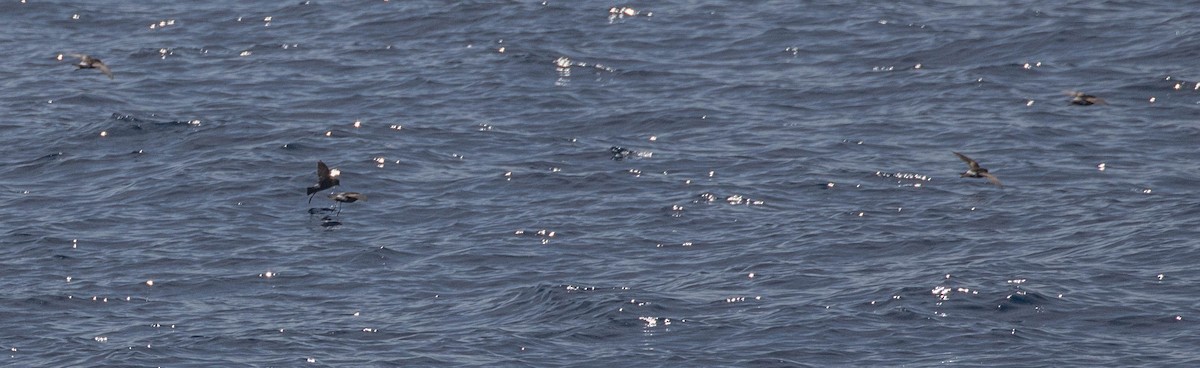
[787, 193]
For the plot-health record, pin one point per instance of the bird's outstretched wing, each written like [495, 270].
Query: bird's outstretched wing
[103, 69]
[993, 179]
[322, 171]
[974, 165]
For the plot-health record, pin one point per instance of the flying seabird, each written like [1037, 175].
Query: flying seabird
[974, 171]
[1080, 98]
[326, 179]
[88, 62]
[346, 197]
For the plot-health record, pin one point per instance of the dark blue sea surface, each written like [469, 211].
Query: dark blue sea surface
[784, 191]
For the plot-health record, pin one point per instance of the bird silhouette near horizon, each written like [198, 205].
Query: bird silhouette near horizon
[975, 171]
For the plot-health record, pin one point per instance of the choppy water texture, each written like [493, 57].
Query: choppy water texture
[787, 197]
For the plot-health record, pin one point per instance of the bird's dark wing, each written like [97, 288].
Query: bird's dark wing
[974, 165]
[993, 179]
[322, 171]
[103, 69]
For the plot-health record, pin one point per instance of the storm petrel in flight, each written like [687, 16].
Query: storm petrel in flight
[326, 179]
[88, 62]
[346, 197]
[974, 171]
[1080, 98]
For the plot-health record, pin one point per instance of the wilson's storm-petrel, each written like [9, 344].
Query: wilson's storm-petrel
[88, 62]
[974, 171]
[346, 197]
[1080, 98]
[326, 179]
